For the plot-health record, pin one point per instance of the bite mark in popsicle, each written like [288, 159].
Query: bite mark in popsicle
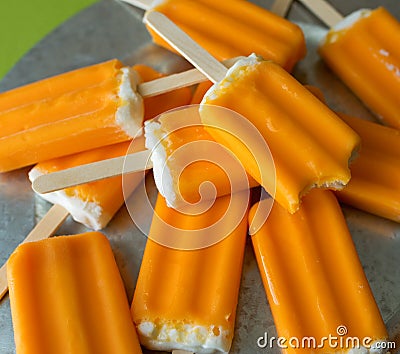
[260, 90]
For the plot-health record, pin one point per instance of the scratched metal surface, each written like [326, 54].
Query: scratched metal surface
[108, 30]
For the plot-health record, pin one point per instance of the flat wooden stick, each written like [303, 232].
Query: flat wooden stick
[44, 229]
[170, 83]
[138, 161]
[281, 7]
[180, 41]
[324, 11]
[141, 4]
[176, 81]
[179, 351]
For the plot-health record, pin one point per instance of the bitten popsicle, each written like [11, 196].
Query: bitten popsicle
[67, 296]
[310, 145]
[201, 286]
[360, 52]
[233, 29]
[314, 280]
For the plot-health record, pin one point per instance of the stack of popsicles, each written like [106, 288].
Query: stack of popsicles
[311, 147]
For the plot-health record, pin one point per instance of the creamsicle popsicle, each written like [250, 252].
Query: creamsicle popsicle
[360, 51]
[374, 185]
[94, 204]
[72, 112]
[313, 278]
[186, 299]
[310, 145]
[185, 156]
[67, 296]
[236, 28]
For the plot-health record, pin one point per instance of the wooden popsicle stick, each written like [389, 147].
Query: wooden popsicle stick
[44, 229]
[180, 351]
[189, 49]
[170, 83]
[141, 4]
[138, 161]
[176, 81]
[324, 11]
[281, 7]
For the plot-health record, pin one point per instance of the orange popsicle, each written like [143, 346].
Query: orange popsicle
[236, 28]
[186, 299]
[374, 185]
[67, 296]
[72, 112]
[310, 145]
[314, 280]
[360, 51]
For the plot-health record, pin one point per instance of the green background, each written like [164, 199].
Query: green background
[24, 22]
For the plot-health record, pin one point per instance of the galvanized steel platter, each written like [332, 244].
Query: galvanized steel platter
[111, 30]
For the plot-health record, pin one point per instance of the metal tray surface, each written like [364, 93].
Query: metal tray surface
[109, 29]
